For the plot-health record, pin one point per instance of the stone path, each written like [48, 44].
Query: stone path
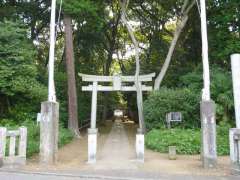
[117, 152]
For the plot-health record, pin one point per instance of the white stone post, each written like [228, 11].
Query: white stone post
[12, 146]
[3, 133]
[206, 74]
[49, 132]
[234, 133]
[51, 86]
[140, 145]
[92, 132]
[235, 63]
[22, 149]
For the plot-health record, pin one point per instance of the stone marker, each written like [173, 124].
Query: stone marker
[172, 155]
[208, 128]
[234, 139]
[49, 132]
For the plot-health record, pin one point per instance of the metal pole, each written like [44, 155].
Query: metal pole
[206, 74]
[51, 86]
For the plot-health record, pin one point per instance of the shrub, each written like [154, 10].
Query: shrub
[65, 136]
[159, 103]
[187, 141]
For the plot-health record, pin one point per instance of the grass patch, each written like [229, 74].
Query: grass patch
[187, 141]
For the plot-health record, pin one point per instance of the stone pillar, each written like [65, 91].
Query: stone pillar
[172, 154]
[3, 134]
[208, 128]
[49, 132]
[234, 133]
[22, 148]
[234, 140]
[92, 145]
[235, 63]
[140, 145]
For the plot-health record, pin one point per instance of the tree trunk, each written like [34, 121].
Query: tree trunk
[72, 93]
[138, 84]
[168, 59]
[106, 94]
[187, 6]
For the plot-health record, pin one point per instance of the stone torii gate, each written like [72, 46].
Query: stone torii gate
[117, 83]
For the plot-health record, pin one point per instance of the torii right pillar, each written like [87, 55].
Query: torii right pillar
[234, 133]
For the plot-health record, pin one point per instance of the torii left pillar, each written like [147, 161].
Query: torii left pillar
[92, 131]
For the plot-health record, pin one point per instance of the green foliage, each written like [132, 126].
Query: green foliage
[221, 90]
[75, 7]
[223, 30]
[161, 102]
[187, 141]
[65, 136]
[19, 85]
[18, 69]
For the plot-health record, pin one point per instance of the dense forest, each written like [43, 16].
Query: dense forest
[92, 39]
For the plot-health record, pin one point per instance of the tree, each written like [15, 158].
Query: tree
[72, 92]
[18, 68]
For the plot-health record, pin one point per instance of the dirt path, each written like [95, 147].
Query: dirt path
[116, 151]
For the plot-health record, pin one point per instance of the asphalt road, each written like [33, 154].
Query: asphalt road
[116, 176]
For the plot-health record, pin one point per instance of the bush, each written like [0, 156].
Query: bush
[187, 141]
[161, 102]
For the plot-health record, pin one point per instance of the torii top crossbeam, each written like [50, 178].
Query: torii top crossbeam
[117, 82]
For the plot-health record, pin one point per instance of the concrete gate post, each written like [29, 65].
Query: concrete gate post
[49, 132]
[234, 133]
[208, 128]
